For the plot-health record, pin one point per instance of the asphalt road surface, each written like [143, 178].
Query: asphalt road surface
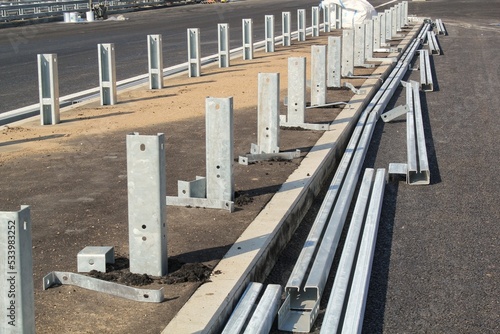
[76, 44]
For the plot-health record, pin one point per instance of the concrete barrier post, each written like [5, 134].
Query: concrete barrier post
[155, 61]
[334, 58]
[286, 18]
[269, 31]
[268, 113]
[296, 90]
[301, 25]
[219, 148]
[247, 39]
[48, 88]
[17, 304]
[318, 75]
[146, 204]
[315, 21]
[107, 73]
[194, 52]
[224, 49]
[347, 52]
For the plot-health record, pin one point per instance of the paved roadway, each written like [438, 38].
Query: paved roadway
[436, 264]
[76, 44]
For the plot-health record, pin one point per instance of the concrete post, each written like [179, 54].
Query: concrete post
[347, 52]
[219, 148]
[247, 39]
[107, 73]
[146, 204]
[155, 61]
[224, 49]
[318, 75]
[269, 31]
[301, 25]
[48, 88]
[286, 27]
[17, 304]
[194, 53]
[296, 90]
[334, 59]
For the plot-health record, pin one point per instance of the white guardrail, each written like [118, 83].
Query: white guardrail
[22, 10]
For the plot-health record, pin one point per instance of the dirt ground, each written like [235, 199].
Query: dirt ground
[73, 175]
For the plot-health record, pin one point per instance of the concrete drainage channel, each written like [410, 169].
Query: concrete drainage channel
[258, 246]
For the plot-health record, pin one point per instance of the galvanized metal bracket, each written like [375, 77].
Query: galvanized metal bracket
[394, 113]
[94, 284]
[354, 89]
[255, 157]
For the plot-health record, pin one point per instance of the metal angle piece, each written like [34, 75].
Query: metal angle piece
[207, 203]
[251, 158]
[354, 89]
[394, 113]
[94, 284]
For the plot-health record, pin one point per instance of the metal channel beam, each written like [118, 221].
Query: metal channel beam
[301, 25]
[155, 61]
[333, 313]
[247, 25]
[433, 43]
[48, 87]
[334, 58]
[263, 316]
[426, 81]
[318, 75]
[107, 73]
[286, 28]
[194, 52]
[347, 52]
[17, 304]
[269, 32]
[301, 305]
[219, 148]
[224, 49]
[146, 182]
[354, 314]
[315, 21]
[111, 288]
[243, 309]
[440, 27]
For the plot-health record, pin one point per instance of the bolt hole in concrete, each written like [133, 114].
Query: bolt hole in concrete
[143, 147]
[144, 238]
[143, 227]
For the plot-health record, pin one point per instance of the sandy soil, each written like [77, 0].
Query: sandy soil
[74, 177]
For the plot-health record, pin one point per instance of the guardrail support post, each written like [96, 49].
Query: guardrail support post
[334, 61]
[399, 16]
[269, 31]
[394, 20]
[194, 53]
[48, 87]
[327, 26]
[337, 15]
[268, 113]
[107, 73]
[388, 24]
[405, 13]
[224, 49]
[368, 39]
[286, 28]
[16, 272]
[315, 21]
[347, 52]
[383, 31]
[359, 44]
[318, 75]
[376, 32]
[219, 148]
[296, 90]
[247, 39]
[301, 25]
[146, 204]
[155, 61]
